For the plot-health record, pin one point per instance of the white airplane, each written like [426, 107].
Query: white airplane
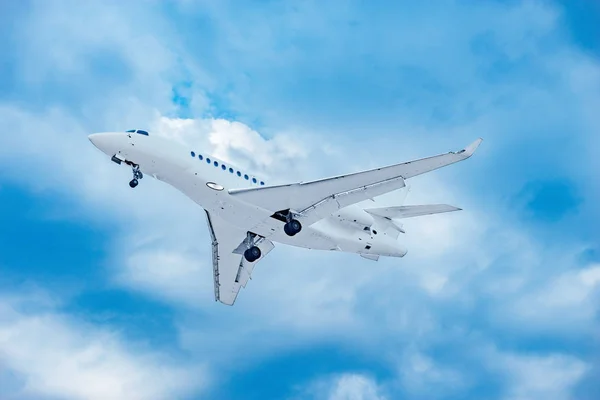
[245, 215]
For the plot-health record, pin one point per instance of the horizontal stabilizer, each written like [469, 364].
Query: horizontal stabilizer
[372, 257]
[411, 211]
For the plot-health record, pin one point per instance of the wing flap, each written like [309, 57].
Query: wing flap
[327, 206]
[411, 211]
[303, 195]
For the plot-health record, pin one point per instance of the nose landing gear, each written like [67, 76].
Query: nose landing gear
[137, 175]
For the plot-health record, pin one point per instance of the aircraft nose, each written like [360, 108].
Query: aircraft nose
[109, 142]
[95, 138]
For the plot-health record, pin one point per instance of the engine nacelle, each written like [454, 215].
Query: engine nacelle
[355, 217]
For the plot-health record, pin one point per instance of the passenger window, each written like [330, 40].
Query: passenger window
[246, 177]
[253, 180]
[239, 173]
[193, 154]
[216, 164]
[223, 167]
[262, 183]
[200, 156]
[208, 160]
[231, 170]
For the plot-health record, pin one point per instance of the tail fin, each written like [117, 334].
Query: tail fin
[410, 211]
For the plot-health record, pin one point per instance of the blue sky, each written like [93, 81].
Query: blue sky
[107, 292]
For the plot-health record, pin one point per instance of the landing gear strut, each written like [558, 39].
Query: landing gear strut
[292, 226]
[252, 252]
[137, 175]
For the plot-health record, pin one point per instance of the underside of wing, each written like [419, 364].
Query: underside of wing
[231, 271]
[321, 197]
[411, 211]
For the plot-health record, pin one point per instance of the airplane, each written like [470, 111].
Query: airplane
[246, 216]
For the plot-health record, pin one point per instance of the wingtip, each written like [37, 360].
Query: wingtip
[470, 149]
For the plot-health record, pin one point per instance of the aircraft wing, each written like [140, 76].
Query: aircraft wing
[231, 271]
[317, 199]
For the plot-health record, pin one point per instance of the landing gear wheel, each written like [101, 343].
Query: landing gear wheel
[252, 254]
[133, 183]
[292, 227]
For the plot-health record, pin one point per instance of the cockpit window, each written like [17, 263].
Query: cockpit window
[141, 132]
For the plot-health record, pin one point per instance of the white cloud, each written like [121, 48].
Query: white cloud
[171, 275]
[65, 46]
[562, 303]
[523, 375]
[345, 386]
[535, 377]
[420, 374]
[60, 356]
[235, 142]
[355, 387]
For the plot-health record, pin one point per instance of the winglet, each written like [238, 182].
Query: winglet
[470, 149]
